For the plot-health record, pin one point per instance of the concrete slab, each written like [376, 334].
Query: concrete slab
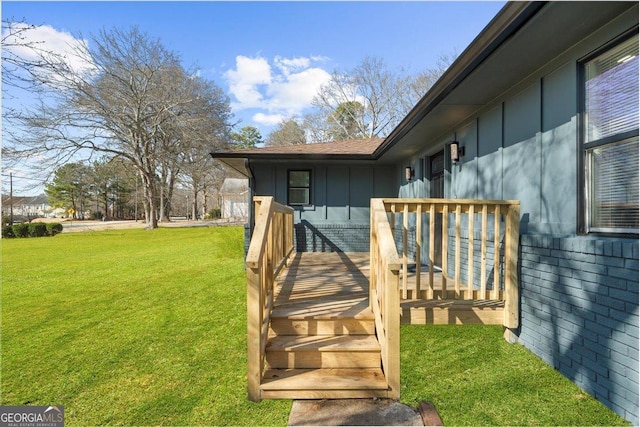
[353, 412]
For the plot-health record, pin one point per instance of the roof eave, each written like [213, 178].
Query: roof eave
[292, 156]
[506, 23]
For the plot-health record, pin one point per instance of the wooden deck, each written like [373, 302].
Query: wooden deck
[337, 285]
[319, 327]
[322, 340]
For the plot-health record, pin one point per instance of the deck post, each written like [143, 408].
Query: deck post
[511, 242]
[254, 306]
[392, 330]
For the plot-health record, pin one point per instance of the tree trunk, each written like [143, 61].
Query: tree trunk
[152, 221]
[194, 206]
[172, 185]
[205, 196]
[163, 214]
[150, 195]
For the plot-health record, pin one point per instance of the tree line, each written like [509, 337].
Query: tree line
[133, 101]
[133, 113]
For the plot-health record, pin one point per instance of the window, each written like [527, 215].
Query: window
[436, 175]
[610, 138]
[299, 187]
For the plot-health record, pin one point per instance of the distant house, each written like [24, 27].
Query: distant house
[27, 207]
[542, 107]
[234, 198]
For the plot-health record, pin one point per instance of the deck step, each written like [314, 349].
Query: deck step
[320, 326]
[342, 351]
[323, 383]
[338, 308]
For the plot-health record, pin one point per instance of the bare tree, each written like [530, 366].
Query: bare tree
[368, 100]
[288, 132]
[370, 84]
[130, 103]
[416, 86]
[204, 129]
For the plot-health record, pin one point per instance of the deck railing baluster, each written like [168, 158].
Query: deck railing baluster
[483, 254]
[268, 252]
[472, 286]
[384, 291]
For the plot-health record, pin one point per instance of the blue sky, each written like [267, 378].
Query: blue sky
[270, 57]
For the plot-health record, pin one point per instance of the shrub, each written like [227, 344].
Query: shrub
[7, 232]
[214, 213]
[21, 230]
[54, 228]
[37, 229]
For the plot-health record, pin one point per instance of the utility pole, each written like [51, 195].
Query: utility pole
[11, 198]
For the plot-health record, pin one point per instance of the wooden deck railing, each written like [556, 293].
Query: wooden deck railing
[270, 249]
[384, 297]
[489, 274]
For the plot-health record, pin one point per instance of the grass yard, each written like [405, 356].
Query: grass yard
[138, 327]
[474, 377]
[130, 327]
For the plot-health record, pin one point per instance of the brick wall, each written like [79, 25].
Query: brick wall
[325, 237]
[579, 313]
[331, 237]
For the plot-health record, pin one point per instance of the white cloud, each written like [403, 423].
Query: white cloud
[27, 42]
[282, 90]
[268, 119]
[287, 65]
[245, 79]
[297, 91]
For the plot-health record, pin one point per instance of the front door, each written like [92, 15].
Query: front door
[436, 190]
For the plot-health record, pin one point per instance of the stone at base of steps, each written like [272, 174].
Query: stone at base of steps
[353, 412]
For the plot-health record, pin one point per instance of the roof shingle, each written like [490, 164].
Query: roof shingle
[353, 147]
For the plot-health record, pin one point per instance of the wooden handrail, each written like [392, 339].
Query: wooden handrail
[384, 298]
[455, 284]
[270, 249]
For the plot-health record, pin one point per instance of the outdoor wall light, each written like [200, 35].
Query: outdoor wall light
[408, 173]
[456, 152]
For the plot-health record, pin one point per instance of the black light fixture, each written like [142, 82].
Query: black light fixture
[456, 151]
[408, 173]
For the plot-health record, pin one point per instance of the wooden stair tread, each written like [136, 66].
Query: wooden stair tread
[351, 308]
[324, 379]
[349, 326]
[359, 343]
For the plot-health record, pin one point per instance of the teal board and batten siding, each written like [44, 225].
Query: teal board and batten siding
[337, 220]
[579, 293]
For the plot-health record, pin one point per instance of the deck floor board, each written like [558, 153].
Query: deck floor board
[335, 285]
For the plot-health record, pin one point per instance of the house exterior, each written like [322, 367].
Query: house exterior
[234, 198]
[542, 107]
[28, 207]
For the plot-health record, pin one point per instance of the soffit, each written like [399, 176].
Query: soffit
[551, 31]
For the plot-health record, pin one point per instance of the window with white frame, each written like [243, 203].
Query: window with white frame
[610, 138]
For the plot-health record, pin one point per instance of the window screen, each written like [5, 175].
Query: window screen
[614, 198]
[611, 92]
[610, 135]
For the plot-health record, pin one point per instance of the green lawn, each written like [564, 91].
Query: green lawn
[130, 327]
[143, 327]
